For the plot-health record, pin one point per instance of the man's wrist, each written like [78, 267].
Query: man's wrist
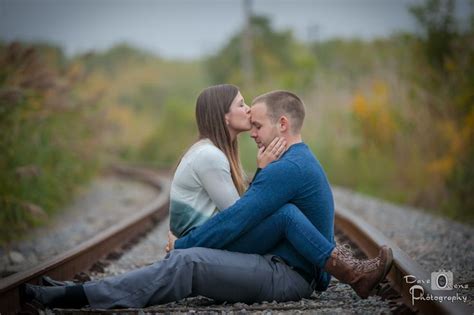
[178, 244]
[255, 176]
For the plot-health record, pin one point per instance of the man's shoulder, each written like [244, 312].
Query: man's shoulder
[302, 155]
[284, 166]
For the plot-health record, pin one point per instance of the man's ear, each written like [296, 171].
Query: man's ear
[283, 124]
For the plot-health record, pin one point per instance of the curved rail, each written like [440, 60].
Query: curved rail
[82, 257]
[369, 240]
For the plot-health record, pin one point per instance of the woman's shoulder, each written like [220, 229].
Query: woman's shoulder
[204, 150]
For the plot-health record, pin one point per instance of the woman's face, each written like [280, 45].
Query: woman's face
[238, 117]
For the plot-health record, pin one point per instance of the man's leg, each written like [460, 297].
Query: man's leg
[293, 258]
[217, 274]
[287, 223]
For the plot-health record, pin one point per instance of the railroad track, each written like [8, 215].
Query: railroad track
[406, 276]
[365, 237]
[84, 256]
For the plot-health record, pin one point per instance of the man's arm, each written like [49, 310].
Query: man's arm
[255, 176]
[275, 186]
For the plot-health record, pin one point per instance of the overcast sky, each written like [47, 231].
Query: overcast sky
[193, 28]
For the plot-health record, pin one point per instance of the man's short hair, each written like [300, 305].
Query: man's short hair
[281, 103]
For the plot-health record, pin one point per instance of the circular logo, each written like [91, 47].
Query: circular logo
[442, 281]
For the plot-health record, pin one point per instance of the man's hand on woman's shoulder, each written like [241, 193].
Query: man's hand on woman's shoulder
[275, 149]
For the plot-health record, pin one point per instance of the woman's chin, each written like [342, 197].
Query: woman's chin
[246, 128]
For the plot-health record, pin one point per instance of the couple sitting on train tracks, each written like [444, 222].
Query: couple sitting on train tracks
[271, 241]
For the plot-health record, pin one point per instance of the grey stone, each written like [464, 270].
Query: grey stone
[16, 258]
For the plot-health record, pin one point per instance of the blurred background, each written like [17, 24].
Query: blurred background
[388, 86]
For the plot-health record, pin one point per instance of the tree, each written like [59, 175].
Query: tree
[278, 59]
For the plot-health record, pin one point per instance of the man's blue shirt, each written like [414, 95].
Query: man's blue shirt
[297, 178]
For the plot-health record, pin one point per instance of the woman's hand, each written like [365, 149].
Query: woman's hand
[171, 239]
[275, 149]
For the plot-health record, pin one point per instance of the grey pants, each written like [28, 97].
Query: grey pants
[217, 274]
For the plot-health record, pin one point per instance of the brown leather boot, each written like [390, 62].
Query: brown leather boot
[361, 275]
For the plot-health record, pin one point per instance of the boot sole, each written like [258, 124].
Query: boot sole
[49, 282]
[388, 265]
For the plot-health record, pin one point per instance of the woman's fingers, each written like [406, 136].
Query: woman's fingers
[271, 153]
[279, 147]
[272, 146]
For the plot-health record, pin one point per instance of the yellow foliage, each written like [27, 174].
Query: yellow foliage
[380, 91]
[359, 105]
[442, 167]
[457, 139]
[372, 111]
[469, 123]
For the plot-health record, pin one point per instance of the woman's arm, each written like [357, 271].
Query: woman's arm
[213, 171]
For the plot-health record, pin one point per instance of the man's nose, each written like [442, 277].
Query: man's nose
[253, 133]
[247, 109]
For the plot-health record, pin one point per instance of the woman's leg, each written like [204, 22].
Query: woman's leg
[291, 224]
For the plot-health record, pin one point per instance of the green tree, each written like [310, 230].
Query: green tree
[446, 71]
[278, 59]
[439, 28]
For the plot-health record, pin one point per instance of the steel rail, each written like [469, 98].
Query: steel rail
[82, 257]
[369, 240]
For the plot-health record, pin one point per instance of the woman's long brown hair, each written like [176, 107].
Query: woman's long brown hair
[211, 106]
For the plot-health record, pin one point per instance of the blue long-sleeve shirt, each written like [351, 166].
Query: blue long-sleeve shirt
[297, 178]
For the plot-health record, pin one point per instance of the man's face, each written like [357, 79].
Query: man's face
[263, 129]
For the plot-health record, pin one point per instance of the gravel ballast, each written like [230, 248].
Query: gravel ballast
[435, 243]
[105, 202]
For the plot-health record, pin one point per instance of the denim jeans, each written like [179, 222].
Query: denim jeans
[290, 224]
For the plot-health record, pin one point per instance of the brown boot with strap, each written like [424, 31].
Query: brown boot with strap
[361, 275]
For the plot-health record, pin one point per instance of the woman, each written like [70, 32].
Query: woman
[210, 177]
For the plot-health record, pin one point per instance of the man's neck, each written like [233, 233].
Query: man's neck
[293, 139]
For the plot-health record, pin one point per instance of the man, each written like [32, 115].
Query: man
[296, 179]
